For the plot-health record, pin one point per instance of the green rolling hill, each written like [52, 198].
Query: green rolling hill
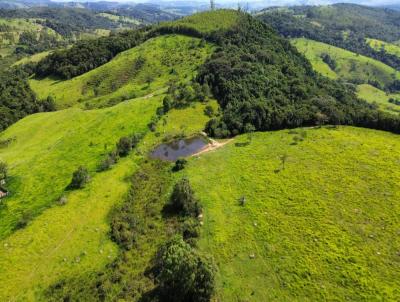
[391, 48]
[325, 215]
[306, 214]
[349, 66]
[133, 73]
[360, 70]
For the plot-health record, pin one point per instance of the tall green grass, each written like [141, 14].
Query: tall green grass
[322, 226]
[134, 73]
[350, 66]
[48, 147]
[207, 22]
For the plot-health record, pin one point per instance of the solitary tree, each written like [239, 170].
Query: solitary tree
[79, 178]
[179, 164]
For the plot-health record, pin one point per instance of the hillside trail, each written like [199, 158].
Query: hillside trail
[212, 145]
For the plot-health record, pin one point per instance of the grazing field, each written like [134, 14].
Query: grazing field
[73, 240]
[33, 58]
[134, 73]
[320, 218]
[117, 18]
[350, 66]
[381, 98]
[388, 47]
[48, 147]
[207, 22]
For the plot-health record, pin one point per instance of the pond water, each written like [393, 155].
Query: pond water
[180, 148]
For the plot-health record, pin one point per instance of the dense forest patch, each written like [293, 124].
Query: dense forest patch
[17, 99]
[263, 83]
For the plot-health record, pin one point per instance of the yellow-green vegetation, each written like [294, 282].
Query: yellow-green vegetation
[48, 147]
[133, 73]
[117, 18]
[18, 26]
[381, 98]
[64, 240]
[381, 45]
[304, 215]
[207, 22]
[184, 122]
[33, 58]
[350, 66]
[73, 239]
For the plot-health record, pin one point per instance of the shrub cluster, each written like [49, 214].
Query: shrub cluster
[123, 147]
[79, 178]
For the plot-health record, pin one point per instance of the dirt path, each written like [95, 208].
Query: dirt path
[212, 145]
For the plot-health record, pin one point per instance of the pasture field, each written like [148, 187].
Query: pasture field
[48, 147]
[134, 73]
[374, 95]
[119, 18]
[73, 240]
[207, 22]
[388, 47]
[33, 58]
[320, 219]
[350, 66]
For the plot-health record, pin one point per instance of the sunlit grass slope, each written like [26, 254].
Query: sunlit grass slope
[323, 226]
[73, 240]
[388, 47]
[375, 95]
[350, 66]
[207, 22]
[133, 73]
[48, 147]
[33, 58]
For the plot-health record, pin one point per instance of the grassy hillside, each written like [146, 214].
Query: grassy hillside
[346, 26]
[375, 95]
[207, 22]
[136, 72]
[381, 45]
[350, 66]
[11, 30]
[73, 240]
[323, 225]
[62, 141]
[33, 58]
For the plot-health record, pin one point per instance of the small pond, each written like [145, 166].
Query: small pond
[179, 148]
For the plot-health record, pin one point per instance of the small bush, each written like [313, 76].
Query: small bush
[183, 199]
[23, 221]
[124, 146]
[209, 111]
[79, 178]
[3, 170]
[62, 201]
[179, 164]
